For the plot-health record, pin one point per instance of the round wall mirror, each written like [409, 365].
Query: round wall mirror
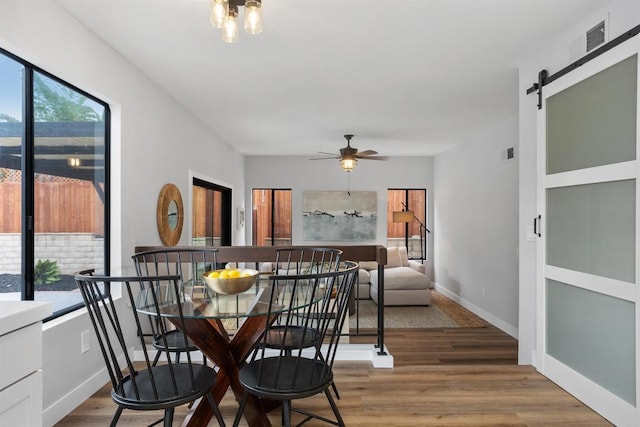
[170, 215]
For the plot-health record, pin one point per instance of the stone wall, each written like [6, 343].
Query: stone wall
[72, 251]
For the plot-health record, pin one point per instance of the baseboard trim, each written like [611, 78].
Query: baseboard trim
[70, 401]
[499, 323]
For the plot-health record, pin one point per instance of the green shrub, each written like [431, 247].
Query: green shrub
[46, 272]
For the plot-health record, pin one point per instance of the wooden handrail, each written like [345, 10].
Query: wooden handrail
[226, 254]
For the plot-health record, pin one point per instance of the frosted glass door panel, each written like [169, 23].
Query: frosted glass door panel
[591, 229]
[593, 334]
[593, 123]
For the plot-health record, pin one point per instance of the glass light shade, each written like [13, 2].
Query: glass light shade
[403, 216]
[348, 164]
[253, 16]
[74, 162]
[230, 29]
[219, 12]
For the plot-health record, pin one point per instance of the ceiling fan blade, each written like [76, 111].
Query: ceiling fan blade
[373, 157]
[328, 154]
[325, 158]
[366, 153]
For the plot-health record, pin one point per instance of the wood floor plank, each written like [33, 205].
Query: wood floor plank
[442, 377]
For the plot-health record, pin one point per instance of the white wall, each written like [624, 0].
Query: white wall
[154, 141]
[553, 56]
[475, 219]
[300, 174]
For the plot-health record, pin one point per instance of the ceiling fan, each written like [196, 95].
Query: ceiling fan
[349, 155]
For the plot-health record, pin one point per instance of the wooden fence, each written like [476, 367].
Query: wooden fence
[71, 206]
[208, 201]
[395, 198]
[261, 216]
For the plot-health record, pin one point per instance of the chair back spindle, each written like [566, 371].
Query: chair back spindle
[151, 386]
[295, 356]
[187, 263]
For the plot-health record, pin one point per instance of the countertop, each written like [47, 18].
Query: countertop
[18, 314]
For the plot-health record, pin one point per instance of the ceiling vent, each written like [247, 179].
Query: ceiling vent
[595, 36]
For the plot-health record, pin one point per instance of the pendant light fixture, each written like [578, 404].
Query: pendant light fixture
[230, 29]
[253, 16]
[224, 15]
[219, 12]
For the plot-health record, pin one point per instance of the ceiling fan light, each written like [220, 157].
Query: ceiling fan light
[219, 12]
[348, 164]
[230, 29]
[253, 16]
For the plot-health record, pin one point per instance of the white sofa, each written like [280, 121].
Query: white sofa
[405, 281]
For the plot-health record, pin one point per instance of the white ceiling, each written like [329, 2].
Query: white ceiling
[407, 77]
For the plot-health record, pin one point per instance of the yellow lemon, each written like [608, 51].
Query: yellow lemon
[245, 274]
[214, 274]
[224, 274]
[233, 274]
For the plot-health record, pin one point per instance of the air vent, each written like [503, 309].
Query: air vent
[595, 36]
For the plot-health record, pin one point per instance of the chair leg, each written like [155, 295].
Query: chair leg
[334, 407]
[168, 417]
[243, 402]
[155, 359]
[116, 416]
[335, 390]
[216, 409]
[286, 413]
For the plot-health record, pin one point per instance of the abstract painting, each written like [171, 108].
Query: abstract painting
[339, 215]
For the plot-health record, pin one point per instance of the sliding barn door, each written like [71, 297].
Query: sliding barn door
[588, 249]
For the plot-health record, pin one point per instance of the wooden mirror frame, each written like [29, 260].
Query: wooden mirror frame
[168, 194]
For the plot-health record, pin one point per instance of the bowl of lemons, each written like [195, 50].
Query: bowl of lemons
[230, 281]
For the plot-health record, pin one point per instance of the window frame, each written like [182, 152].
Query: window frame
[226, 197]
[272, 214]
[406, 225]
[28, 180]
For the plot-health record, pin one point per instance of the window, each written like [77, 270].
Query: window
[211, 214]
[54, 190]
[412, 235]
[271, 210]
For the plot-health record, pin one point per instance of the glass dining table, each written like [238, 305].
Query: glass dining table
[225, 328]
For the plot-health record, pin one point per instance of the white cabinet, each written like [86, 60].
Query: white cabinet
[21, 362]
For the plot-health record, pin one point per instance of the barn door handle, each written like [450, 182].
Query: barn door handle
[536, 223]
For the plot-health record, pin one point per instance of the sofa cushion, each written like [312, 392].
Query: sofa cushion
[393, 258]
[404, 257]
[400, 278]
[368, 265]
[363, 276]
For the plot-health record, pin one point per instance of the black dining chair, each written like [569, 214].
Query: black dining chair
[301, 260]
[142, 386]
[189, 264]
[317, 308]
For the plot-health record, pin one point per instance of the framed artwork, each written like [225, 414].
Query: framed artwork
[339, 215]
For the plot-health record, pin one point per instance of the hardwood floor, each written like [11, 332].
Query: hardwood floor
[442, 377]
